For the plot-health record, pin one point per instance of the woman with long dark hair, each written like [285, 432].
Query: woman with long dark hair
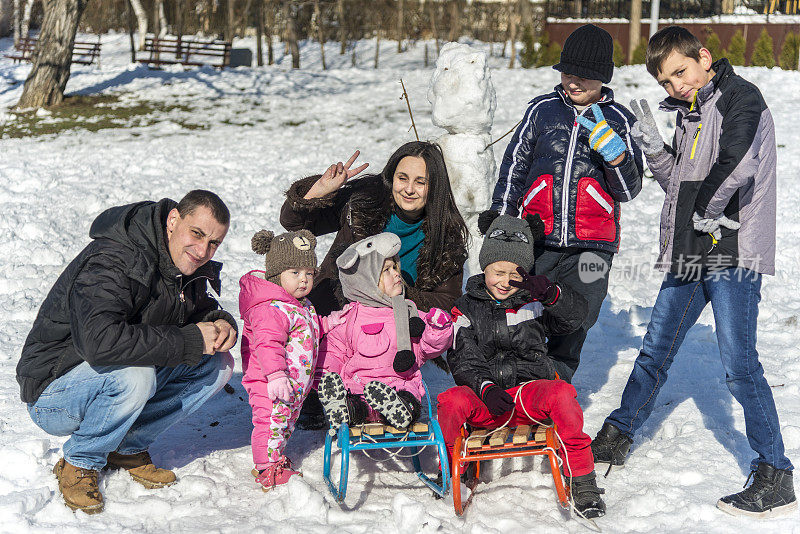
[410, 197]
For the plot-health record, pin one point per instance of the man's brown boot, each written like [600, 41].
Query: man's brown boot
[141, 468]
[79, 487]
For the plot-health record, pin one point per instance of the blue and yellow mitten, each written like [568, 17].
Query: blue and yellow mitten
[601, 137]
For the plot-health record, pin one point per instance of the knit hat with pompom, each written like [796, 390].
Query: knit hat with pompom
[292, 250]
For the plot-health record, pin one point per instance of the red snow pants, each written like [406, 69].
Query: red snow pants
[543, 399]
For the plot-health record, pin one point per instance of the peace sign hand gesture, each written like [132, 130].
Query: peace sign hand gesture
[335, 177]
[602, 138]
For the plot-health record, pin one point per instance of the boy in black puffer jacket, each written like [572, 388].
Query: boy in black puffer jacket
[572, 161]
[500, 362]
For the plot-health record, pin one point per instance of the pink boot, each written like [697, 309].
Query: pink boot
[275, 473]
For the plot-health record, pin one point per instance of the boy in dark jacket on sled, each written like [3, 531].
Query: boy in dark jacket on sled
[500, 362]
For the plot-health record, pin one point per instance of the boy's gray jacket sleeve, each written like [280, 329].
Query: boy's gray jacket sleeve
[741, 140]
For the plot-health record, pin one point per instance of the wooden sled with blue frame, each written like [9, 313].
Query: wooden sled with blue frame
[372, 436]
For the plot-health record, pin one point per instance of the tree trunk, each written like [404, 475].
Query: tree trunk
[512, 31]
[258, 7]
[291, 33]
[130, 32]
[229, 17]
[53, 56]
[141, 20]
[320, 33]
[163, 29]
[26, 18]
[15, 22]
[342, 27]
[400, 25]
[634, 28]
[455, 20]
[377, 46]
[268, 31]
[243, 22]
[432, 9]
[179, 18]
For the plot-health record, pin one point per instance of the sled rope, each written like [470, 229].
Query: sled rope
[517, 396]
[391, 455]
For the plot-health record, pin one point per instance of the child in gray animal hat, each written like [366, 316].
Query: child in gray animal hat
[374, 347]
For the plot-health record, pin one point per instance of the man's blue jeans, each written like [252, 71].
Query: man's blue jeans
[734, 295]
[120, 408]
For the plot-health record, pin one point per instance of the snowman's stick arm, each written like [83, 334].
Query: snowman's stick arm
[505, 134]
[405, 96]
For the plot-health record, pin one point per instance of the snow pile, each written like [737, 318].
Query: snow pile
[261, 128]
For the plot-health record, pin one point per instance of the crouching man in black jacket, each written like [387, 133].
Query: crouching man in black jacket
[500, 361]
[128, 341]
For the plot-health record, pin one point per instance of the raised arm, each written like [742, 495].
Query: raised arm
[316, 203]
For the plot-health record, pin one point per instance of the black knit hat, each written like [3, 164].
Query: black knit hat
[588, 53]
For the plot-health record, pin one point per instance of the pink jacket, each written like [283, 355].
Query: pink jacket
[361, 345]
[280, 335]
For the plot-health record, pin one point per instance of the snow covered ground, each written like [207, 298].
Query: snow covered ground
[263, 128]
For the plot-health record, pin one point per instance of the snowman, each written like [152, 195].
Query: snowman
[463, 103]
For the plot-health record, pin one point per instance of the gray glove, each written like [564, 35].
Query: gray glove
[645, 130]
[711, 226]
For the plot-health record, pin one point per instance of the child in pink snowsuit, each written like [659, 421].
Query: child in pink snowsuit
[279, 345]
[375, 347]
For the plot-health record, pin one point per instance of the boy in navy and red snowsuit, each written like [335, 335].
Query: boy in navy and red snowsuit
[574, 173]
[499, 361]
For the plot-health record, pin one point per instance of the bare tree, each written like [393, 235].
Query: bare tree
[455, 20]
[52, 58]
[512, 30]
[291, 32]
[15, 23]
[377, 45]
[320, 32]
[268, 31]
[162, 18]
[229, 20]
[342, 27]
[141, 21]
[400, 25]
[26, 18]
[635, 28]
[432, 9]
[258, 8]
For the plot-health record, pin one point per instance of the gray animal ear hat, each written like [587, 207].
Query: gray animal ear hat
[509, 238]
[292, 250]
[360, 269]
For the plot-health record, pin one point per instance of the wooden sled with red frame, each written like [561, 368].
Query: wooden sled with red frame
[508, 442]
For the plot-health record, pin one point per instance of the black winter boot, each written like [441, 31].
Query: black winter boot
[770, 495]
[610, 446]
[311, 415]
[586, 495]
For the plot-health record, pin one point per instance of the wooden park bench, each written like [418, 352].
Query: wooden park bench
[525, 440]
[186, 51]
[83, 52]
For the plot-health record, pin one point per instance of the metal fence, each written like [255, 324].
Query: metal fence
[622, 8]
